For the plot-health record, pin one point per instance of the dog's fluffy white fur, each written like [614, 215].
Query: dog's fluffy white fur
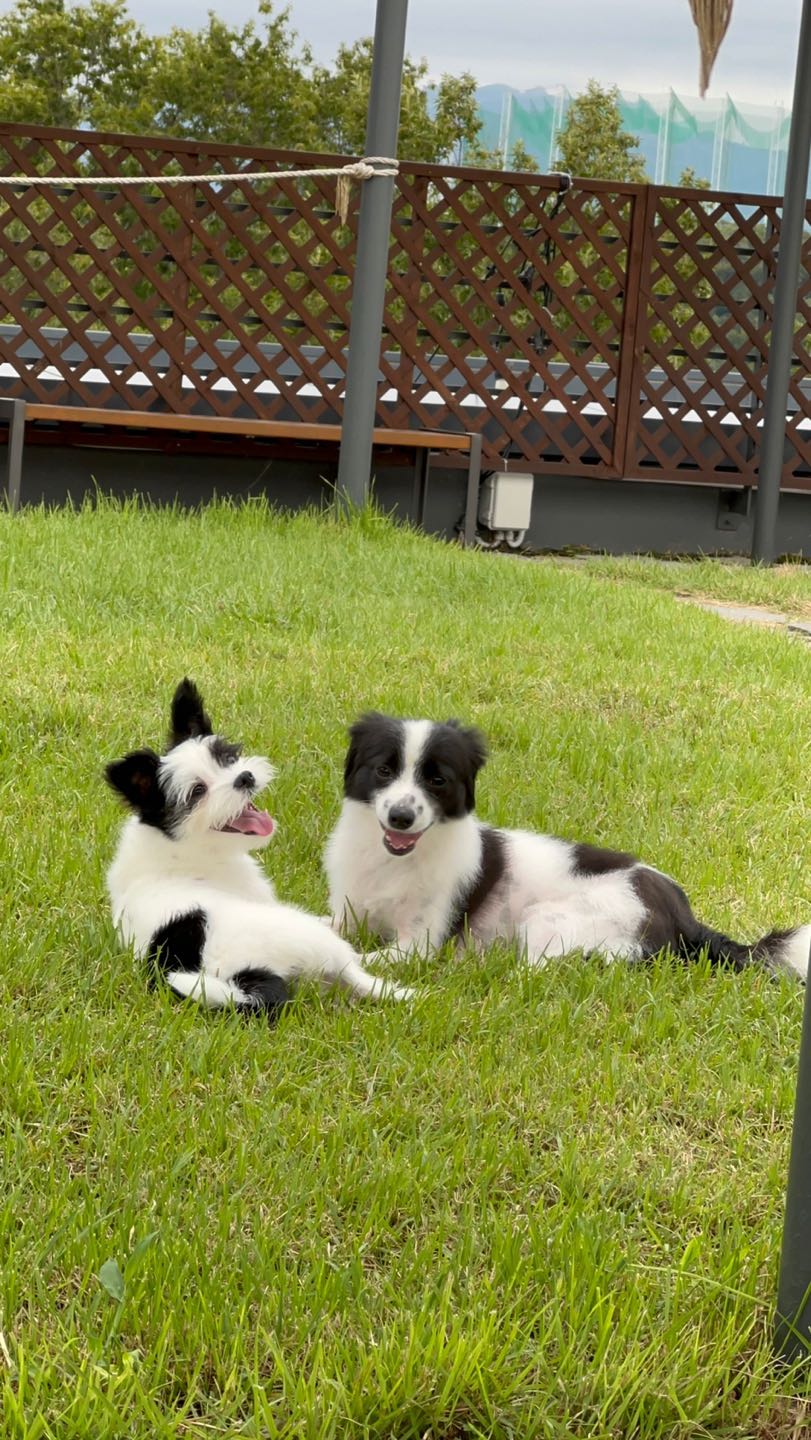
[187, 892]
[409, 858]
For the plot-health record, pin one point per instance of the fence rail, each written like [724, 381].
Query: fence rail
[615, 330]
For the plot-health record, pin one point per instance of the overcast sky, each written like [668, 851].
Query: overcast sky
[644, 45]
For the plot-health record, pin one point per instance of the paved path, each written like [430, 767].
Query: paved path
[739, 614]
[751, 615]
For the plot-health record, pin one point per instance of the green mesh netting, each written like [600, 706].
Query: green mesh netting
[734, 147]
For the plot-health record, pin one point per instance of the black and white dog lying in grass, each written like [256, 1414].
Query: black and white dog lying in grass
[410, 859]
[186, 890]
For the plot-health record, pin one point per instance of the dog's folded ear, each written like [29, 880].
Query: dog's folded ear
[474, 743]
[189, 719]
[371, 722]
[136, 779]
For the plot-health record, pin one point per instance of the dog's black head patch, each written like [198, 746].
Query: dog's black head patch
[375, 756]
[136, 778]
[449, 762]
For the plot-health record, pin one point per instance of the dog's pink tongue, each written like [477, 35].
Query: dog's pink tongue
[253, 822]
[399, 841]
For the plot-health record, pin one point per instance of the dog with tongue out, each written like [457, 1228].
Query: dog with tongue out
[186, 890]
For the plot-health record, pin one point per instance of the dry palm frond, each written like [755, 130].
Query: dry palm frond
[712, 19]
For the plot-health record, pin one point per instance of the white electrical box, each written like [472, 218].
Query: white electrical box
[505, 502]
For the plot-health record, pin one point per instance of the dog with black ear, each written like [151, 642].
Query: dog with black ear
[410, 858]
[186, 889]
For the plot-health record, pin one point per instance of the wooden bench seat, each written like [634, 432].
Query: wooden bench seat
[19, 413]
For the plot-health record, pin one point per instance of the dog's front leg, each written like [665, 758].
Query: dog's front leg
[346, 969]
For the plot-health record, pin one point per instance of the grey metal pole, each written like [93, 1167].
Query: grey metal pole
[793, 1320]
[371, 262]
[789, 254]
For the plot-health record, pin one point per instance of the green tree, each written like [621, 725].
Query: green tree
[90, 65]
[689, 180]
[84, 65]
[519, 158]
[342, 91]
[244, 84]
[593, 143]
[456, 116]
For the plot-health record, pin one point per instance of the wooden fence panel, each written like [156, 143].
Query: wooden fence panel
[614, 330]
[703, 342]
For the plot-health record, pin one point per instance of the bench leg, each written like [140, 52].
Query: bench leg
[420, 487]
[14, 412]
[474, 471]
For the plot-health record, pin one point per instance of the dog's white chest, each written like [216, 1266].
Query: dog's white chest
[390, 892]
[413, 895]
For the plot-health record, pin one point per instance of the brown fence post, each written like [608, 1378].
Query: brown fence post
[634, 331]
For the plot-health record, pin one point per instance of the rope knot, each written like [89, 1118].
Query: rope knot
[369, 168]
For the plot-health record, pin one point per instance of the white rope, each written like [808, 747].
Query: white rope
[366, 169]
[371, 167]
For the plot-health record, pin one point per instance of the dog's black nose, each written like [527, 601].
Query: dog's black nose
[245, 781]
[401, 817]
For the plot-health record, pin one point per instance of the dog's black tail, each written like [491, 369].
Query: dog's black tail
[672, 925]
[780, 950]
[265, 992]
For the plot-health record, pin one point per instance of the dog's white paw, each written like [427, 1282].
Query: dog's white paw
[402, 992]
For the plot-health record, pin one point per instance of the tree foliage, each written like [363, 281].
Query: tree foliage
[689, 180]
[90, 65]
[593, 144]
[83, 65]
[426, 132]
[518, 158]
[241, 84]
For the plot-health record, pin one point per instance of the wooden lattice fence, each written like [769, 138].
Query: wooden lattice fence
[616, 331]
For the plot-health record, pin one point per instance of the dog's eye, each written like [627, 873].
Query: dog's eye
[197, 790]
[436, 782]
[384, 772]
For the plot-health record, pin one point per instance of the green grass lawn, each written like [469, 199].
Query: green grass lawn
[528, 1204]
